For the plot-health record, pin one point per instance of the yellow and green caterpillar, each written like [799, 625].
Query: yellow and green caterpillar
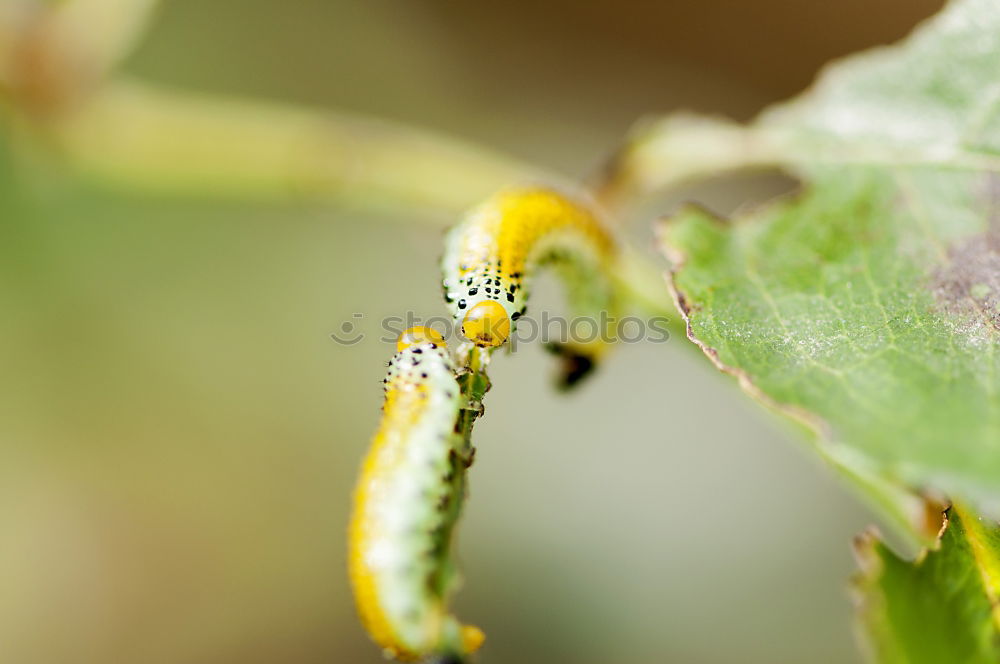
[412, 482]
[406, 503]
[492, 255]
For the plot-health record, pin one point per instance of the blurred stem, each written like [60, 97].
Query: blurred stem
[681, 148]
[152, 139]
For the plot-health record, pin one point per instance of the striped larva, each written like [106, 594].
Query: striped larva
[492, 255]
[406, 503]
[412, 482]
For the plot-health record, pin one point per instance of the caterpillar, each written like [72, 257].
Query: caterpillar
[494, 252]
[406, 503]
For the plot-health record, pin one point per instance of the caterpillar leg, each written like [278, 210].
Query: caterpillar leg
[494, 253]
[575, 365]
[406, 503]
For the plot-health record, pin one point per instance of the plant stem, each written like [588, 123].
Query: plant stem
[475, 384]
[678, 149]
[147, 138]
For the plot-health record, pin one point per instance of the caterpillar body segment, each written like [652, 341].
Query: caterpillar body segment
[493, 254]
[406, 503]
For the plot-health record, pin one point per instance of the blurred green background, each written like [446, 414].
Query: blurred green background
[180, 435]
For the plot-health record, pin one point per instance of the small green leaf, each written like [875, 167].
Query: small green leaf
[940, 608]
[868, 305]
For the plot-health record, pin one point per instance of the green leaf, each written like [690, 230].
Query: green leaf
[867, 306]
[940, 608]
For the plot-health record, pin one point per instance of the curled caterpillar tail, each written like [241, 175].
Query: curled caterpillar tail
[493, 254]
[406, 503]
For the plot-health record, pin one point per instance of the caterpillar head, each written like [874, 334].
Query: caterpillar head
[418, 335]
[486, 324]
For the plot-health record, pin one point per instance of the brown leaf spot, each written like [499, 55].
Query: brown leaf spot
[969, 283]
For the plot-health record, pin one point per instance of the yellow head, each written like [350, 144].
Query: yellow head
[486, 324]
[420, 334]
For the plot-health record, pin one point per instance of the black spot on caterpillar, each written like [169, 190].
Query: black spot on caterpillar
[511, 237]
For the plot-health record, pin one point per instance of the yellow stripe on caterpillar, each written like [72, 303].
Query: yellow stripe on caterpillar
[493, 254]
[407, 500]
